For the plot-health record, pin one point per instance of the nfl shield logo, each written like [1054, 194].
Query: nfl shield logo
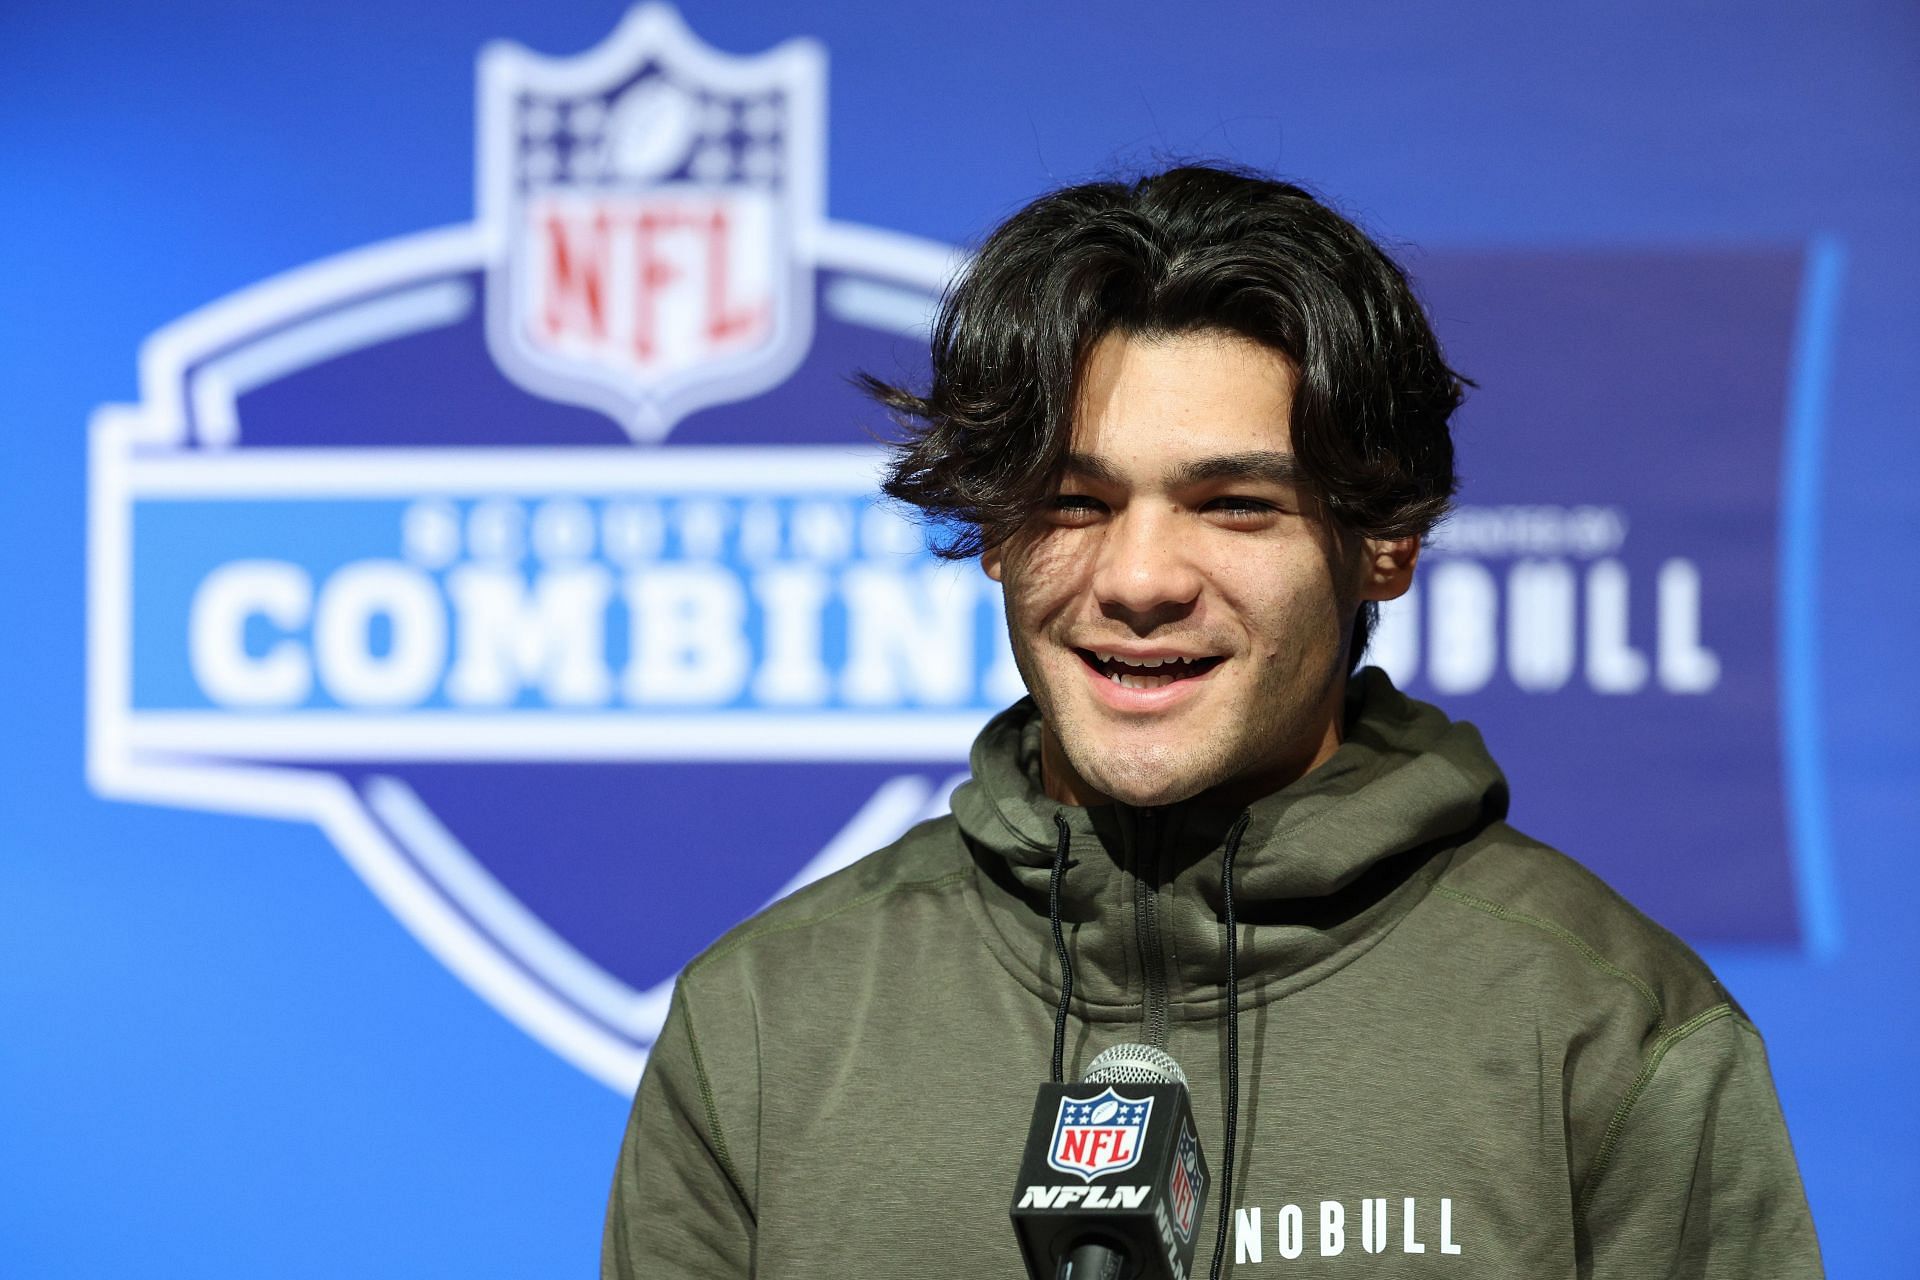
[1099, 1135]
[658, 206]
[1187, 1185]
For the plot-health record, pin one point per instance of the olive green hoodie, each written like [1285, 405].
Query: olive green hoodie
[1460, 1053]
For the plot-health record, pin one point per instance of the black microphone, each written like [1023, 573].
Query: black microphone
[1112, 1182]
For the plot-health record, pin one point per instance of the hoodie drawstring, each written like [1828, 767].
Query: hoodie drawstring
[1233, 1005]
[1060, 947]
[1233, 1040]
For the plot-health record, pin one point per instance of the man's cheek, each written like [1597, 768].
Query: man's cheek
[1051, 561]
[1036, 610]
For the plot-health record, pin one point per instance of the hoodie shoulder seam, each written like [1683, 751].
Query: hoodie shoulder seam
[707, 1099]
[939, 882]
[1617, 1125]
[1585, 949]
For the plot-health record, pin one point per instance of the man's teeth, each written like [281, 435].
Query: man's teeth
[1135, 662]
[1133, 673]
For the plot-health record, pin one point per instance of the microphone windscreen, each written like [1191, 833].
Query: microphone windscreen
[1134, 1064]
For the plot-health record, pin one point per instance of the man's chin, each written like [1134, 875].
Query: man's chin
[1154, 798]
[1145, 784]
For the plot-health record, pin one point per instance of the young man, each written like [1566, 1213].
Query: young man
[1196, 426]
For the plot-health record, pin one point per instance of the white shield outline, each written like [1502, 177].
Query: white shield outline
[798, 66]
[1107, 1094]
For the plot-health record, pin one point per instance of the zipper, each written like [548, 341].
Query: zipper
[1146, 926]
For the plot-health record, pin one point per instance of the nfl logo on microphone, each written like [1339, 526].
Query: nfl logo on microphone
[1100, 1135]
[1184, 1188]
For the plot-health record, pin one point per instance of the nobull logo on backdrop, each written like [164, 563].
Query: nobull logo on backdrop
[537, 559]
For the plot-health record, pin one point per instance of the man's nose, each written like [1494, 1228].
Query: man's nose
[1146, 574]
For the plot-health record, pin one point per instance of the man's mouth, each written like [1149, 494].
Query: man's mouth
[1146, 673]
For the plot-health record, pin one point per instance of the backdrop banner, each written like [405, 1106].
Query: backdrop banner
[538, 560]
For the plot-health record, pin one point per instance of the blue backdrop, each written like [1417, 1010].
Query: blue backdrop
[1674, 243]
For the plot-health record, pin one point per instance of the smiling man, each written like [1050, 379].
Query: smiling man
[1182, 610]
[1196, 426]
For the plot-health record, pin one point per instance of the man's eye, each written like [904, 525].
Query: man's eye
[1076, 507]
[1241, 508]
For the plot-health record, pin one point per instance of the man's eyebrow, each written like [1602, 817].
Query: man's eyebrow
[1261, 466]
[1088, 467]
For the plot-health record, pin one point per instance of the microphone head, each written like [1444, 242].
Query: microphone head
[1134, 1064]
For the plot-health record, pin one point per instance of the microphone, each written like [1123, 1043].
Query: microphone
[1112, 1182]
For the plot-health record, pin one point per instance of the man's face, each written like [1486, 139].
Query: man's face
[1181, 610]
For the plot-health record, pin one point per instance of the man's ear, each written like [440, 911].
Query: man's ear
[1387, 567]
[991, 562]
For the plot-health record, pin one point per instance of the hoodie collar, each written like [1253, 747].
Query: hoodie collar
[1327, 865]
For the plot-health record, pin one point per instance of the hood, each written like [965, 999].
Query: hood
[1325, 868]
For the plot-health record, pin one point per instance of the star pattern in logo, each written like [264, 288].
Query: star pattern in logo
[1129, 1113]
[685, 134]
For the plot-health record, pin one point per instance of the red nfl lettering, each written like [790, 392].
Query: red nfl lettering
[649, 283]
[1096, 1147]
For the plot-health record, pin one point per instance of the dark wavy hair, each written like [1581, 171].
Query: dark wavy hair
[1189, 249]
